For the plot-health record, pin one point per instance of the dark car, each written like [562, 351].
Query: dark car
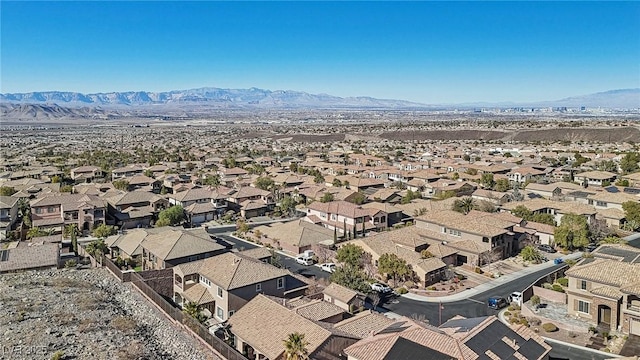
[497, 302]
[547, 248]
[591, 247]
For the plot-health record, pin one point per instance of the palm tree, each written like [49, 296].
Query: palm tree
[35, 232]
[96, 248]
[464, 205]
[529, 253]
[296, 347]
[194, 310]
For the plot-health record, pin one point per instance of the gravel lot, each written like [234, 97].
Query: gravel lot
[87, 314]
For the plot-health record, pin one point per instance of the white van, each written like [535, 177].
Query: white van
[304, 260]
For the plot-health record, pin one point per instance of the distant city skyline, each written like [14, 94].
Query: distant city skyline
[426, 52]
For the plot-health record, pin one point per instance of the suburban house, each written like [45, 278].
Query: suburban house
[597, 178]
[556, 208]
[9, 207]
[250, 202]
[346, 216]
[175, 246]
[478, 239]
[200, 204]
[547, 191]
[294, 236]
[524, 174]
[459, 338]
[30, 256]
[343, 297]
[443, 187]
[260, 327]
[53, 211]
[611, 199]
[125, 172]
[605, 290]
[86, 174]
[494, 197]
[223, 284]
[134, 208]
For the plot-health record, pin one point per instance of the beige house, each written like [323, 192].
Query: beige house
[294, 236]
[347, 216]
[597, 178]
[225, 283]
[605, 290]
[53, 211]
[260, 327]
[556, 208]
[345, 298]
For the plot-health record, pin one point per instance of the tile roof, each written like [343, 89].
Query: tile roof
[318, 310]
[340, 292]
[469, 223]
[296, 232]
[364, 324]
[599, 175]
[261, 313]
[198, 294]
[29, 257]
[607, 291]
[174, 243]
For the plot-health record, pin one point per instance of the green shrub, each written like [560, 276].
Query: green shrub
[547, 286]
[477, 270]
[57, 355]
[535, 300]
[549, 327]
[432, 288]
[524, 321]
[557, 287]
[70, 263]
[402, 291]
[563, 281]
[593, 329]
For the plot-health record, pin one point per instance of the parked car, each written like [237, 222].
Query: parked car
[328, 267]
[591, 247]
[497, 302]
[381, 288]
[515, 297]
[547, 248]
[303, 260]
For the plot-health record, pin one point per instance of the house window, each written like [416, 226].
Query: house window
[38, 210]
[231, 312]
[205, 281]
[193, 258]
[258, 287]
[583, 306]
[583, 285]
[280, 283]
[601, 203]
[455, 232]
[51, 209]
[444, 230]
[219, 292]
[219, 313]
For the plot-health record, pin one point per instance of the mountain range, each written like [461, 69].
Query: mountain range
[260, 98]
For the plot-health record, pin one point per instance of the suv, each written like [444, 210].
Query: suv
[515, 297]
[303, 260]
[381, 288]
[496, 302]
[328, 267]
[547, 248]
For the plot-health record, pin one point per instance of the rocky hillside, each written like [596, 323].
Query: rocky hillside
[87, 314]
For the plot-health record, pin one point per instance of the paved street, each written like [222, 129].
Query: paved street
[564, 352]
[288, 262]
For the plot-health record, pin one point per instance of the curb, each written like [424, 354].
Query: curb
[550, 340]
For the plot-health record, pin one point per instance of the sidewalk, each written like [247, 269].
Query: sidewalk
[489, 284]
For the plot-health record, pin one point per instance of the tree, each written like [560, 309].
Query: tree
[55, 179]
[543, 218]
[295, 347]
[212, 180]
[276, 259]
[242, 227]
[96, 248]
[521, 211]
[103, 230]
[66, 189]
[326, 197]
[573, 232]
[455, 176]
[487, 181]
[36, 232]
[629, 163]
[171, 216]
[517, 195]
[351, 277]
[631, 211]
[622, 182]
[395, 267]
[194, 310]
[318, 178]
[350, 254]
[530, 253]
[410, 195]
[287, 205]
[612, 240]
[359, 198]
[121, 185]
[502, 185]
[598, 230]
[426, 254]
[336, 182]
[264, 183]
[464, 205]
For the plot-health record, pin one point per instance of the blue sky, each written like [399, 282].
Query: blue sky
[430, 52]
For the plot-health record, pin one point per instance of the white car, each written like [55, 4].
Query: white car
[306, 261]
[328, 267]
[515, 297]
[381, 288]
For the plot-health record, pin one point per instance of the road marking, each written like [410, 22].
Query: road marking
[476, 301]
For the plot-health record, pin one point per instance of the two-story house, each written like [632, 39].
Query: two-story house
[135, 208]
[53, 211]
[225, 283]
[86, 174]
[175, 246]
[597, 178]
[345, 216]
[605, 290]
[125, 172]
[8, 215]
[250, 201]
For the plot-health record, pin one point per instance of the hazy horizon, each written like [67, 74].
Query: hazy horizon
[425, 52]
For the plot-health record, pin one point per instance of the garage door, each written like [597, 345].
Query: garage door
[634, 327]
